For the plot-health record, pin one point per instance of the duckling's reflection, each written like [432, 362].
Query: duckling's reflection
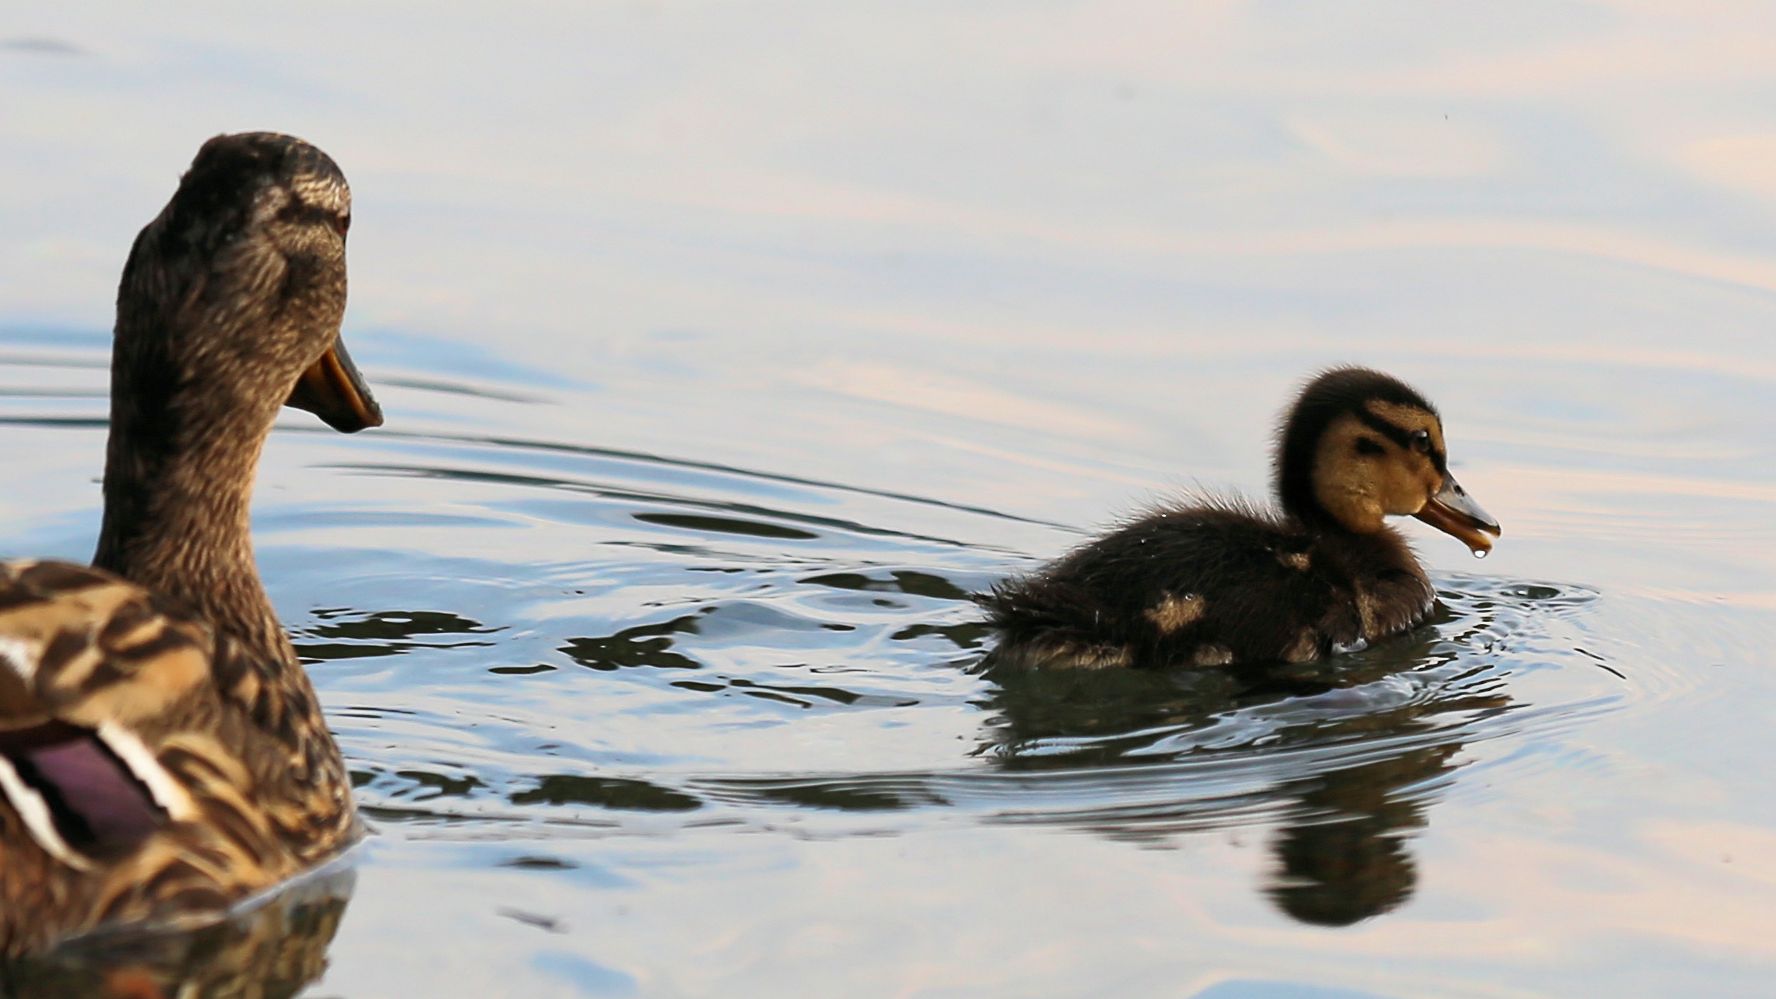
[1342, 851]
[271, 950]
[1346, 858]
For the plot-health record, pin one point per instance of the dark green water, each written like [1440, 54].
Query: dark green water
[724, 355]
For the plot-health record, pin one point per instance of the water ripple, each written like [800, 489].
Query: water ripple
[589, 642]
[764, 653]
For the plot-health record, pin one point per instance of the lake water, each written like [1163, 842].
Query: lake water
[726, 349]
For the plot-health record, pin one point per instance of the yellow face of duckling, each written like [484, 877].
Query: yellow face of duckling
[1388, 459]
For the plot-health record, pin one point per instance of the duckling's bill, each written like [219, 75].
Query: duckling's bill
[333, 390]
[1455, 513]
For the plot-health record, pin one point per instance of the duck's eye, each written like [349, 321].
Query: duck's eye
[1421, 441]
[1369, 445]
[342, 224]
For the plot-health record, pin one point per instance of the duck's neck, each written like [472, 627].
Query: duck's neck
[178, 487]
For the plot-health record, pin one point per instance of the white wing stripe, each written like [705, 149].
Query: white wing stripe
[35, 811]
[168, 793]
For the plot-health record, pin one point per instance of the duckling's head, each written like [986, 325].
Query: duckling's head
[1359, 446]
[231, 301]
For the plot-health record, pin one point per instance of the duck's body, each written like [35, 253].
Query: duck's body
[162, 753]
[1216, 582]
[153, 770]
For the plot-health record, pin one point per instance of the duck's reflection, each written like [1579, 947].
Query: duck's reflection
[1351, 754]
[271, 950]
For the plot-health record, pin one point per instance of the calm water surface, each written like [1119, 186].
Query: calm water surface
[726, 352]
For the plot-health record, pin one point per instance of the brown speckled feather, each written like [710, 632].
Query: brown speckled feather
[246, 788]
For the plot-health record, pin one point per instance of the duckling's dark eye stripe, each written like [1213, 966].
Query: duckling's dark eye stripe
[1401, 437]
[1393, 433]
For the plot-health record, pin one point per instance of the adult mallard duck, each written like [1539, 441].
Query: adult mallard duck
[1219, 582]
[162, 754]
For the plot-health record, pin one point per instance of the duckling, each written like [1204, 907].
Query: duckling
[1222, 581]
[162, 753]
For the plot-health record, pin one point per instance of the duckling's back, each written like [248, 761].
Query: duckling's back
[1207, 585]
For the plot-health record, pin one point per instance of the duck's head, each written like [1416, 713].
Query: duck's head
[231, 301]
[1359, 446]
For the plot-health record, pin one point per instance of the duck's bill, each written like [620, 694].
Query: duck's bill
[1455, 513]
[333, 390]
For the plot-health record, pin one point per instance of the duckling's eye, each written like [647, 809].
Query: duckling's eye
[1369, 445]
[342, 223]
[1421, 441]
